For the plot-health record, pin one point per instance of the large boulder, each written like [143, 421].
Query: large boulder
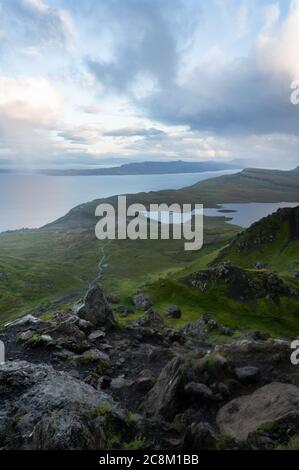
[45, 409]
[200, 436]
[95, 309]
[268, 404]
[167, 395]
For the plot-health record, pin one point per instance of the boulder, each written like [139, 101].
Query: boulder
[268, 404]
[151, 319]
[95, 309]
[166, 397]
[200, 436]
[27, 319]
[199, 392]
[25, 335]
[142, 302]
[45, 409]
[96, 335]
[247, 375]
[173, 311]
[145, 381]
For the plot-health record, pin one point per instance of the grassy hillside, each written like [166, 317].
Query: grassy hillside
[38, 267]
[273, 241]
[52, 266]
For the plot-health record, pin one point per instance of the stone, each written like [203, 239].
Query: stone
[25, 335]
[95, 309]
[51, 410]
[151, 319]
[23, 320]
[96, 335]
[173, 311]
[46, 339]
[84, 325]
[142, 302]
[94, 355]
[268, 404]
[145, 381]
[120, 382]
[199, 392]
[200, 436]
[166, 395]
[247, 375]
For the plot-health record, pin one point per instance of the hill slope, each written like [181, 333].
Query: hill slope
[273, 241]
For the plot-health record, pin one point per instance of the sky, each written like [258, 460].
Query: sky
[105, 81]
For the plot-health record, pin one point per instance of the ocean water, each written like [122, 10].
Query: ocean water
[31, 201]
[243, 214]
[246, 214]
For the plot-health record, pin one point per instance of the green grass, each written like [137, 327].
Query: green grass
[39, 267]
[264, 315]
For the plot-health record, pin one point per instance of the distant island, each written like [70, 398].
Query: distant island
[144, 168]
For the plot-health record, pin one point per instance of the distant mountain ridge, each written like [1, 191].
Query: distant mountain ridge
[145, 168]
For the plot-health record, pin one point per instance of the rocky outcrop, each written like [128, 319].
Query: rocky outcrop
[95, 309]
[45, 409]
[142, 301]
[241, 284]
[268, 404]
[166, 395]
[173, 311]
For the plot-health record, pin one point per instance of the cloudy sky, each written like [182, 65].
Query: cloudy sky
[89, 81]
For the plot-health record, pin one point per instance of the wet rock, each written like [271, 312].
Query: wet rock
[51, 410]
[268, 404]
[173, 311]
[142, 302]
[247, 375]
[95, 309]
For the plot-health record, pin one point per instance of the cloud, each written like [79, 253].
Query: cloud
[272, 14]
[242, 20]
[245, 96]
[135, 132]
[29, 111]
[145, 42]
[32, 23]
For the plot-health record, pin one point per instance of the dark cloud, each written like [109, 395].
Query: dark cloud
[152, 132]
[72, 137]
[147, 36]
[239, 98]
